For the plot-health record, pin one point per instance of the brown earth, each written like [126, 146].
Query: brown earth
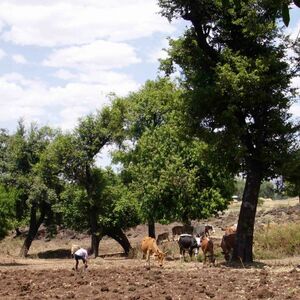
[48, 274]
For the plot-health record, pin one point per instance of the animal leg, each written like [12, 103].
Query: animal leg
[148, 258]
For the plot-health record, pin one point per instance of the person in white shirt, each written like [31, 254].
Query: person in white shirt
[81, 254]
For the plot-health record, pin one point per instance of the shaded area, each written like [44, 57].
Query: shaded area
[58, 253]
[11, 264]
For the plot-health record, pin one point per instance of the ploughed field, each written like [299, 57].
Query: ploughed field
[48, 274]
[128, 279]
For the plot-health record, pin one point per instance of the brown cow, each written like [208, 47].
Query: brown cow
[230, 229]
[149, 247]
[207, 247]
[227, 245]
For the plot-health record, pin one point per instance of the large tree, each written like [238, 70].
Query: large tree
[237, 77]
[172, 175]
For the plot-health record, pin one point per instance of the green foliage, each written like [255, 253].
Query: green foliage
[73, 207]
[173, 176]
[7, 210]
[116, 207]
[267, 190]
[277, 241]
[239, 187]
[291, 173]
[240, 93]
[21, 154]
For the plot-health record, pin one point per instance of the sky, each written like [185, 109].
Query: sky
[60, 59]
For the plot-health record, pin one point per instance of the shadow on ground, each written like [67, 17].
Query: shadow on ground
[58, 253]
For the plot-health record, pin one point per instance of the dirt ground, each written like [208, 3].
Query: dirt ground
[129, 279]
[45, 276]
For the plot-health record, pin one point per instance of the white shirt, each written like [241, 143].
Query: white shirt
[82, 252]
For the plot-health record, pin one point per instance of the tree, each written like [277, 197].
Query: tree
[33, 198]
[71, 158]
[170, 174]
[237, 79]
[281, 5]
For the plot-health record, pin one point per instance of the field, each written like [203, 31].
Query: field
[48, 274]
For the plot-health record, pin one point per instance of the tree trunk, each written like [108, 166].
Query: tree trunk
[121, 238]
[244, 239]
[151, 228]
[95, 239]
[33, 227]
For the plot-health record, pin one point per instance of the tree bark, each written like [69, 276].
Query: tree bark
[95, 241]
[243, 249]
[33, 227]
[151, 228]
[118, 235]
[95, 237]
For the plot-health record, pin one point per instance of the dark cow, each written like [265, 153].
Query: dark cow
[187, 229]
[188, 243]
[227, 245]
[178, 230]
[203, 230]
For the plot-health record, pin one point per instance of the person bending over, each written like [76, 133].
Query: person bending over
[81, 254]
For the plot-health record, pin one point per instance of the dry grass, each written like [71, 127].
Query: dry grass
[267, 204]
[277, 241]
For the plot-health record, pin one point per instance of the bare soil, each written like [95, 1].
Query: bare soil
[48, 274]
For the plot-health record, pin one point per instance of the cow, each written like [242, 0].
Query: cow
[162, 237]
[74, 248]
[178, 230]
[187, 229]
[227, 245]
[230, 229]
[188, 243]
[203, 230]
[149, 247]
[207, 248]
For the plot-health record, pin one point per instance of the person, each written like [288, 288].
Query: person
[81, 254]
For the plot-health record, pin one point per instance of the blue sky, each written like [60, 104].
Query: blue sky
[59, 59]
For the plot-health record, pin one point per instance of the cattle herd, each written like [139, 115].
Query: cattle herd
[190, 239]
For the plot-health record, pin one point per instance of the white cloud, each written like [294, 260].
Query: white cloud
[60, 105]
[64, 74]
[76, 22]
[19, 59]
[101, 55]
[158, 52]
[2, 54]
